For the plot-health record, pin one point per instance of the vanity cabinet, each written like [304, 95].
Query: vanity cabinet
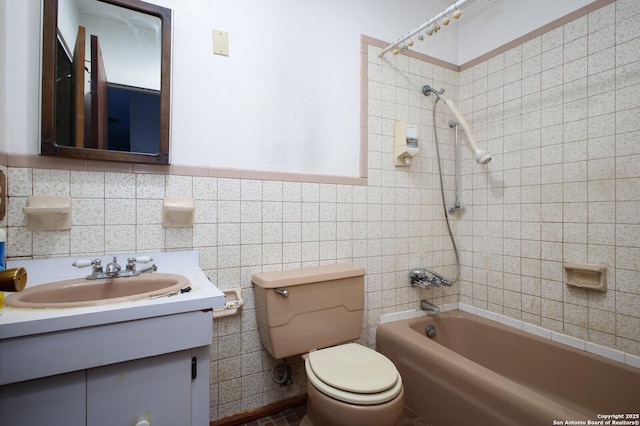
[110, 374]
[155, 389]
[55, 400]
[160, 389]
[117, 364]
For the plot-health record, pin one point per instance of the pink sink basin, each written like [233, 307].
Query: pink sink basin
[83, 292]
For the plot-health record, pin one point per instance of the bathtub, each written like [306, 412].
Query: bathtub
[479, 372]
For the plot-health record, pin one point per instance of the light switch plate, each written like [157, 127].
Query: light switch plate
[220, 43]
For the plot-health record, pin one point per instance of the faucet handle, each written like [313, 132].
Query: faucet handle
[95, 263]
[131, 262]
[83, 263]
[417, 274]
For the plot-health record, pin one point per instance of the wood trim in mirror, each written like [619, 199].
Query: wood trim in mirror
[48, 144]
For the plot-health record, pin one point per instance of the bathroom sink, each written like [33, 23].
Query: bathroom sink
[83, 292]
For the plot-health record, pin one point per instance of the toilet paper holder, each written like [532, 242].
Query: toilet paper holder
[233, 303]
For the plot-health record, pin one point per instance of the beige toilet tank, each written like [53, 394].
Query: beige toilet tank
[309, 308]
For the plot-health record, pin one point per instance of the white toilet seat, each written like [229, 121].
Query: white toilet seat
[353, 373]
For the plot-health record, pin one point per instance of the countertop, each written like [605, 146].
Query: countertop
[16, 322]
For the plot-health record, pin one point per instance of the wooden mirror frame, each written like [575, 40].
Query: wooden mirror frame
[48, 144]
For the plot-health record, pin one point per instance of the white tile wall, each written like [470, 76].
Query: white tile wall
[565, 179]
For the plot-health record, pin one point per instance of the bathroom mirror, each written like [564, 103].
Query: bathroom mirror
[106, 80]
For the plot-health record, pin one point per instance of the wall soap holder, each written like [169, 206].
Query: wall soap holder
[178, 212]
[592, 277]
[232, 305]
[48, 213]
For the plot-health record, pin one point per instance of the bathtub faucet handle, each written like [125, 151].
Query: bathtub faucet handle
[425, 278]
[420, 278]
[437, 279]
[417, 278]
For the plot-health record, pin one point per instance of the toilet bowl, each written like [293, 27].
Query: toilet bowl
[315, 312]
[351, 385]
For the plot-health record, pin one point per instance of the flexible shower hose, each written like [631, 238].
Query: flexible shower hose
[444, 204]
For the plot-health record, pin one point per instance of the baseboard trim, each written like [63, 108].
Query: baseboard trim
[260, 412]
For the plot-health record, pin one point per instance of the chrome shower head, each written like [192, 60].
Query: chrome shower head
[483, 157]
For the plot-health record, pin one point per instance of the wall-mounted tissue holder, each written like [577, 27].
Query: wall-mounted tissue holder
[232, 305]
[178, 212]
[48, 213]
[592, 277]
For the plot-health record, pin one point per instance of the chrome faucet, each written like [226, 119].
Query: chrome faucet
[426, 278]
[425, 305]
[113, 269]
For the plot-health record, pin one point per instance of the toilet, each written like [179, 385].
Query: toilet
[315, 312]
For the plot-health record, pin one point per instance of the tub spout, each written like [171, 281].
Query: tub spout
[425, 305]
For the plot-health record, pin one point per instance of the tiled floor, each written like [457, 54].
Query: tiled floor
[293, 417]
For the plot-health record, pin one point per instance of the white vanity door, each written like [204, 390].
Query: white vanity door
[54, 400]
[156, 389]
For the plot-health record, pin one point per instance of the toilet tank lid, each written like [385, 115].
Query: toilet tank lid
[292, 277]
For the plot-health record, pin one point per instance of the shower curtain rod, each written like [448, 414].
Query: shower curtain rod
[415, 31]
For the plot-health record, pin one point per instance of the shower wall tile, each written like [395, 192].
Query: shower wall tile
[627, 29]
[627, 52]
[579, 144]
[575, 49]
[575, 29]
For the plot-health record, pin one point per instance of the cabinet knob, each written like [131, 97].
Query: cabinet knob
[143, 423]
